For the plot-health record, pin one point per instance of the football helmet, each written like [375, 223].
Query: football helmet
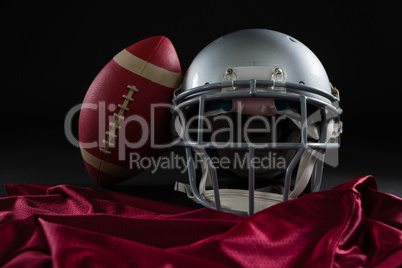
[256, 115]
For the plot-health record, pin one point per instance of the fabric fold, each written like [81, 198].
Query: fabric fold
[67, 226]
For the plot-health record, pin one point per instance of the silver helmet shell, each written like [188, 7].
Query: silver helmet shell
[257, 47]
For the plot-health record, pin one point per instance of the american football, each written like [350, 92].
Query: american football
[123, 104]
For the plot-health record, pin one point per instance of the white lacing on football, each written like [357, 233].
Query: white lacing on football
[114, 126]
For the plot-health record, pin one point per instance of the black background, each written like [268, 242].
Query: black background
[50, 53]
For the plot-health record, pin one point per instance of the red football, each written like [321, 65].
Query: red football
[123, 114]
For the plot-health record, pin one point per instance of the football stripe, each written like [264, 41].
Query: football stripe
[104, 166]
[147, 70]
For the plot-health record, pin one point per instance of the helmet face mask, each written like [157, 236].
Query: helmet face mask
[252, 136]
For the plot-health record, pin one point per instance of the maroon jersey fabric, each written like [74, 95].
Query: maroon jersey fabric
[352, 225]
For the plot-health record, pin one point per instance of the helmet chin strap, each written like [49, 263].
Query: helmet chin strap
[238, 199]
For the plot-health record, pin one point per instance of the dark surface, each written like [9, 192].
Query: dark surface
[53, 52]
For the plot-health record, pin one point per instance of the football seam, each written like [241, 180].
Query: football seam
[153, 53]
